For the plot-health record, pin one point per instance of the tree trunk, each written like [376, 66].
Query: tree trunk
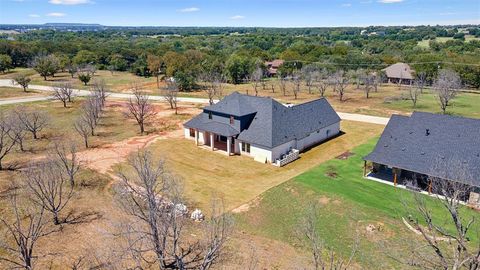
[86, 142]
[56, 221]
[64, 103]
[24, 89]
[158, 83]
[142, 129]
[45, 77]
[34, 134]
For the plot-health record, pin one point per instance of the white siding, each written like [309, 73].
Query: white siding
[187, 134]
[311, 139]
[260, 154]
[316, 137]
[278, 151]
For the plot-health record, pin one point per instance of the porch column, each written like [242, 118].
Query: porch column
[196, 137]
[364, 168]
[229, 145]
[212, 142]
[395, 178]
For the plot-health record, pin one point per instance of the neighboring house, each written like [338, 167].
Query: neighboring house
[273, 66]
[263, 128]
[399, 73]
[414, 150]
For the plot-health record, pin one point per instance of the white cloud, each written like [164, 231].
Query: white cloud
[69, 2]
[18, 0]
[190, 9]
[346, 5]
[237, 17]
[56, 14]
[390, 1]
[34, 16]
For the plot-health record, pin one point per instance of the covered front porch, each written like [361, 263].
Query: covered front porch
[215, 142]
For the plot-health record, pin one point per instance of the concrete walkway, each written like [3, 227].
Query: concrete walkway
[78, 92]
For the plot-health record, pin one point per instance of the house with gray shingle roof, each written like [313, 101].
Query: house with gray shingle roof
[399, 73]
[263, 128]
[415, 149]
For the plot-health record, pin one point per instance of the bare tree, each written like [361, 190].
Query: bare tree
[415, 90]
[296, 83]
[421, 81]
[19, 133]
[453, 225]
[49, 186]
[367, 80]
[308, 75]
[309, 231]
[446, 87]
[33, 121]
[100, 90]
[83, 130]
[22, 80]
[321, 81]
[64, 93]
[214, 85]
[72, 69]
[7, 137]
[140, 107]
[217, 231]
[170, 94]
[91, 111]
[340, 83]
[21, 237]
[64, 155]
[282, 81]
[256, 79]
[155, 204]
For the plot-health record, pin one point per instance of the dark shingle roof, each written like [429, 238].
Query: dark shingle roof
[202, 122]
[233, 104]
[273, 123]
[437, 145]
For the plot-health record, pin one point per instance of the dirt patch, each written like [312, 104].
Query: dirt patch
[324, 200]
[102, 159]
[345, 155]
[245, 207]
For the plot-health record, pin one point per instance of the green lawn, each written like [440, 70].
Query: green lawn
[348, 203]
[465, 104]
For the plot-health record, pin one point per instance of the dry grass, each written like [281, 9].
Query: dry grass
[11, 92]
[240, 179]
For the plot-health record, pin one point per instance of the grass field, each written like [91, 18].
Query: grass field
[387, 101]
[426, 42]
[11, 92]
[240, 179]
[348, 204]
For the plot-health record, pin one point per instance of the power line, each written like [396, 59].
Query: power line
[381, 64]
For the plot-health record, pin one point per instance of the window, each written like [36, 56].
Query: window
[192, 132]
[209, 115]
[231, 120]
[246, 147]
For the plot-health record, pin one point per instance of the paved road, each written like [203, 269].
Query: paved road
[83, 93]
[8, 83]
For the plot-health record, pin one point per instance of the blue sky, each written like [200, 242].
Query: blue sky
[276, 13]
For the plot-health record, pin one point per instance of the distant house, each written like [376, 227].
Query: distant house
[263, 128]
[272, 67]
[413, 150]
[399, 73]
